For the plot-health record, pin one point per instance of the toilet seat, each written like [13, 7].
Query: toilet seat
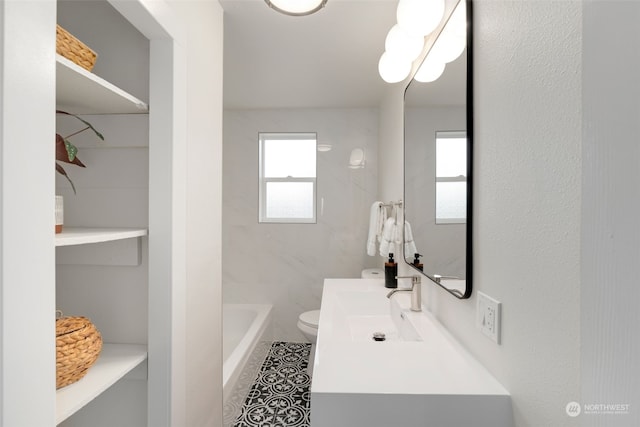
[309, 331]
[372, 273]
[310, 319]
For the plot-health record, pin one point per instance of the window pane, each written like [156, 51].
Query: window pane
[289, 200]
[451, 156]
[451, 202]
[289, 157]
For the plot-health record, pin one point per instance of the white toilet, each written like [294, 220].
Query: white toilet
[372, 273]
[308, 324]
[308, 321]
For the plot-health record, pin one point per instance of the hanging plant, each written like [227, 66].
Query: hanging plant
[67, 152]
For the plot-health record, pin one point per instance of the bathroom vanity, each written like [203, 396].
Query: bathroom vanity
[418, 376]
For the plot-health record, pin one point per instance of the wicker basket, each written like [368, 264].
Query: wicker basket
[74, 50]
[78, 345]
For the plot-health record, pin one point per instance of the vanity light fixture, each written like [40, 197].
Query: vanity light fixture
[324, 147]
[448, 47]
[393, 67]
[453, 38]
[405, 40]
[420, 17]
[405, 44]
[356, 160]
[430, 70]
[296, 7]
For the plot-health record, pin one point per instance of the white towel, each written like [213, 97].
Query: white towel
[387, 244]
[397, 229]
[409, 244]
[377, 217]
[382, 217]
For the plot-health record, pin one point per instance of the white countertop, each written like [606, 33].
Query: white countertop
[434, 367]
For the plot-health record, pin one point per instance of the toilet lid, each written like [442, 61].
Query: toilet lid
[310, 318]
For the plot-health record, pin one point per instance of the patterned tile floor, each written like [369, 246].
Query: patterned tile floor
[234, 401]
[280, 396]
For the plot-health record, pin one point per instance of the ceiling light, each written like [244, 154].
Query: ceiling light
[296, 7]
[420, 17]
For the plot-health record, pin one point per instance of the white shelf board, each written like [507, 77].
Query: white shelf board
[79, 91]
[82, 236]
[115, 361]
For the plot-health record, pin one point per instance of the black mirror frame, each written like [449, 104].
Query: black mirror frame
[470, 137]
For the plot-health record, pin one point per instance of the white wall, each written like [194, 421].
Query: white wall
[527, 202]
[285, 264]
[26, 180]
[203, 329]
[610, 211]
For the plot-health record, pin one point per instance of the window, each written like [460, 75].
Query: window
[287, 177]
[451, 177]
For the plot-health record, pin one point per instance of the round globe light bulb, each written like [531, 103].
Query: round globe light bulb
[420, 17]
[458, 22]
[453, 38]
[429, 71]
[402, 43]
[393, 68]
[448, 47]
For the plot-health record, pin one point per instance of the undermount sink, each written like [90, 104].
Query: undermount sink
[419, 375]
[363, 328]
[366, 314]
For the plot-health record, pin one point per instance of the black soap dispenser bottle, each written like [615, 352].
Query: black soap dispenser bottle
[390, 273]
[416, 262]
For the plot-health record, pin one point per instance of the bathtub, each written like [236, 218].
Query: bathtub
[246, 337]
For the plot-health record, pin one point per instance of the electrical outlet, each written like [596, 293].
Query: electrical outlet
[488, 313]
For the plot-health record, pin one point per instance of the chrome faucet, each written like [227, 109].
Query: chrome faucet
[438, 278]
[416, 294]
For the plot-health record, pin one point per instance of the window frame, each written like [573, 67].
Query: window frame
[263, 181]
[448, 134]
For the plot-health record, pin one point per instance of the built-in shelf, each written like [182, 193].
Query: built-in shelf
[82, 236]
[115, 361]
[79, 91]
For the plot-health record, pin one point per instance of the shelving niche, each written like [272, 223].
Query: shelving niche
[83, 92]
[116, 361]
[112, 293]
[86, 235]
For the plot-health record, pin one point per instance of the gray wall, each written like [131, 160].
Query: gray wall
[285, 264]
[610, 211]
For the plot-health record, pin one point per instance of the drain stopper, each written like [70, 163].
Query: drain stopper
[379, 336]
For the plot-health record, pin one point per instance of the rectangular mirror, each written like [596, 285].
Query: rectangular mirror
[438, 158]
